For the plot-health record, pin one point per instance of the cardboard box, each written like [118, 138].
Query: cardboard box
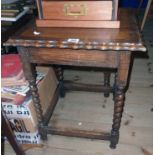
[28, 138]
[23, 118]
[25, 131]
[24, 125]
[47, 87]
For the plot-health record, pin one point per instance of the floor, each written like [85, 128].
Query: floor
[94, 111]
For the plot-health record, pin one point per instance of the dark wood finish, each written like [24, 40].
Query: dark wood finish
[92, 45]
[7, 131]
[119, 95]
[69, 85]
[104, 48]
[123, 68]
[78, 133]
[60, 71]
[74, 57]
[118, 110]
[127, 38]
[106, 82]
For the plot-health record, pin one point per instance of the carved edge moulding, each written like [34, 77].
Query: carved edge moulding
[81, 45]
[84, 14]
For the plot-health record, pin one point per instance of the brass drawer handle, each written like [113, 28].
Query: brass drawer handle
[81, 9]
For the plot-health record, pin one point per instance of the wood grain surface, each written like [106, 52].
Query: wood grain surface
[128, 35]
[67, 10]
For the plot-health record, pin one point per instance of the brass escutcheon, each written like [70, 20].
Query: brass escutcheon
[82, 9]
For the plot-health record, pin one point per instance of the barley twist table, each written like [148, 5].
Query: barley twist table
[101, 48]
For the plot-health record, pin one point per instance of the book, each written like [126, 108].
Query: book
[13, 19]
[17, 80]
[17, 94]
[11, 71]
[9, 14]
[23, 89]
[16, 99]
[10, 65]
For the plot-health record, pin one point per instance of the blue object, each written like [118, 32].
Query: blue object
[132, 3]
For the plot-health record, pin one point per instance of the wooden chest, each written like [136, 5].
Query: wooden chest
[89, 14]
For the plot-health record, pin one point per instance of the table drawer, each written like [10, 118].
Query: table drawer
[89, 58]
[77, 10]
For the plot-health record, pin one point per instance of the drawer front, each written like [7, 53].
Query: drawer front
[71, 57]
[77, 10]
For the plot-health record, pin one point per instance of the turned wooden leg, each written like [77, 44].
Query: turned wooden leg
[119, 95]
[114, 87]
[106, 82]
[30, 75]
[118, 110]
[59, 72]
[38, 108]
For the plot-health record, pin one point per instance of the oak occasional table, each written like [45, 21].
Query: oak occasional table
[103, 48]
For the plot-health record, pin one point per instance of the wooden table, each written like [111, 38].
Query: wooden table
[103, 48]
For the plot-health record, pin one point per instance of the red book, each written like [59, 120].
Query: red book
[10, 65]
[11, 71]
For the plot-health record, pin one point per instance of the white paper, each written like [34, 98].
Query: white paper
[73, 40]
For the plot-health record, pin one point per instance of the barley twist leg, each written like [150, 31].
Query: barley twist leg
[59, 71]
[118, 110]
[38, 108]
[106, 82]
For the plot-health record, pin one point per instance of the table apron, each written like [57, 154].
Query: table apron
[92, 58]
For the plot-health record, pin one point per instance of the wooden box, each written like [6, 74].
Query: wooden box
[87, 14]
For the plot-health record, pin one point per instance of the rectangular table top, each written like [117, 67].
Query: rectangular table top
[127, 37]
